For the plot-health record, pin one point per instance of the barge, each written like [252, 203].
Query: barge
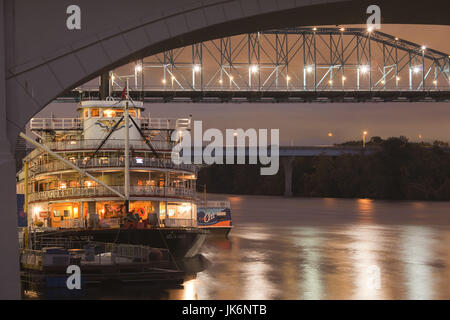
[47, 269]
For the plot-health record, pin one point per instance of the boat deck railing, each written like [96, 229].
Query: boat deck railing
[100, 191]
[77, 123]
[214, 204]
[95, 253]
[114, 144]
[164, 123]
[176, 222]
[72, 223]
[56, 124]
[106, 162]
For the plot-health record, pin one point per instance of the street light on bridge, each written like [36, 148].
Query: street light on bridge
[197, 68]
[364, 68]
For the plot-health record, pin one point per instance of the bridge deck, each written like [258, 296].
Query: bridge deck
[290, 96]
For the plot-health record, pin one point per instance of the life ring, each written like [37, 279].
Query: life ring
[141, 212]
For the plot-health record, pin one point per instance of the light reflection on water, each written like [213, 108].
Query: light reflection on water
[308, 242]
[417, 253]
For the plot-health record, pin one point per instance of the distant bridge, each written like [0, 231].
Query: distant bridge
[288, 65]
[288, 154]
[297, 151]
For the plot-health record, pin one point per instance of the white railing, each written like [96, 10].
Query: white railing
[90, 192]
[138, 162]
[77, 123]
[175, 222]
[214, 204]
[93, 144]
[72, 223]
[165, 123]
[56, 124]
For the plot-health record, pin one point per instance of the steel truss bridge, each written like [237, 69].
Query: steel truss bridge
[288, 65]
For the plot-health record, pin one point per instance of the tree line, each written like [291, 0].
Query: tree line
[400, 170]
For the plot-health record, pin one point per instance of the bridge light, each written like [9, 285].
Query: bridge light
[220, 81]
[423, 48]
[364, 68]
[330, 81]
[397, 78]
[309, 69]
[197, 68]
[113, 77]
[138, 68]
[342, 29]
[383, 82]
[369, 29]
[396, 39]
[434, 81]
[254, 68]
[163, 81]
[420, 136]
[288, 78]
[344, 78]
[330, 134]
[314, 29]
[416, 69]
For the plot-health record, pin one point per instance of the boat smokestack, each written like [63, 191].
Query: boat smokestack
[104, 86]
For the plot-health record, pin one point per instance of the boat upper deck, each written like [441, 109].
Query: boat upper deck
[77, 124]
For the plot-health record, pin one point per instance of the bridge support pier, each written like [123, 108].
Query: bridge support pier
[288, 167]
[9, 244]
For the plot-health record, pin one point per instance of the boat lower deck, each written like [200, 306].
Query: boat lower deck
[181, 242]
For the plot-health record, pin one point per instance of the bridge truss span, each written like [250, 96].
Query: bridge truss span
[293, 65]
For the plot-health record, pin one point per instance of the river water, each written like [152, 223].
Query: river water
[316, 248]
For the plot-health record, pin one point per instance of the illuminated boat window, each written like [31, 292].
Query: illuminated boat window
[109, 113]
[95, 113]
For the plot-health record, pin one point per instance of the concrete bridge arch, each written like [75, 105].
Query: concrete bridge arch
[41, 58]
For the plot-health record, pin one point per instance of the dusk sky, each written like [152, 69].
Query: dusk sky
[309, 124]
